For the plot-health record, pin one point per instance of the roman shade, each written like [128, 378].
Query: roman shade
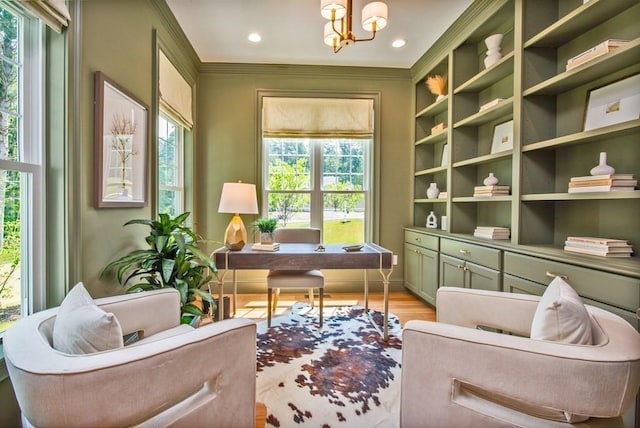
[54, 13]
[175, 92]
[317, 117]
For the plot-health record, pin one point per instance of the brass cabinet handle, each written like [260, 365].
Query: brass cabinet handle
[463, 267]
[465, 252]
[553, 275]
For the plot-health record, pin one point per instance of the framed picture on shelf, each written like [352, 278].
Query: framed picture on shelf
[614, 103]
[502, 137]
[445, 155]
[120, 140]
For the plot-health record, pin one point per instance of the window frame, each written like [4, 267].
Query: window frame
[181, 132]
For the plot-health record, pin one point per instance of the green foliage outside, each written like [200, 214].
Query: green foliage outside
[285, 176]
[9, 267]
[337, 231]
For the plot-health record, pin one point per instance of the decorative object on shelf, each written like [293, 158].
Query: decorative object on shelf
[443, 195]
[432, 221]
[438, 128]
[493, 49]
[266, 226]
[444, 222]
[492, 190]
[492, 232]
[602, 167]
[491, 180]
[603, 247]
[614, 103]
[120, 141]
[596, 51]
[502, 137]
[490, 104]
[433, 191]
[437, 86]
[237, 198]
[445, 155]
[374, 18]
[603, 183]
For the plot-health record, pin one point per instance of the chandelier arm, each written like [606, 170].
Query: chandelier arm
[333, 25]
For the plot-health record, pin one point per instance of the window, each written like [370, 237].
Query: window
[21, 185]
[319, 173]
[170, 166]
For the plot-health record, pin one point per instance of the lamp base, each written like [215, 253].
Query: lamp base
[235, 237]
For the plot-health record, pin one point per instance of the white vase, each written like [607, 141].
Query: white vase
[432, 221]
[493, 49]
[440, 97]
[602, 168]
[491, 180]
[433, 191]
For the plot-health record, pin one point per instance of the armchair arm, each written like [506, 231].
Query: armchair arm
[472, 308]
[576, 379]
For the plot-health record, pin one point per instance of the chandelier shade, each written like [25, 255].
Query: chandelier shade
[374, 16]
[338, 32]
[340, 7]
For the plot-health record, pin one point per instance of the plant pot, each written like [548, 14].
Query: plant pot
[266, 237]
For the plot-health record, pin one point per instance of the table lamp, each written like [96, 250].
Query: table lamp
[237, 198]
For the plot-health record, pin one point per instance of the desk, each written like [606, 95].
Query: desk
[305, 257]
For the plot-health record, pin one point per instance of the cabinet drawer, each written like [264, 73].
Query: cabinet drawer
[484, 256]
[617, 290]
[420, 239]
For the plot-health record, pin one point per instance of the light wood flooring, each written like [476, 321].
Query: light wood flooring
[405, 305]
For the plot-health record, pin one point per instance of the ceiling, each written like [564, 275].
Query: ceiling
[292, 31]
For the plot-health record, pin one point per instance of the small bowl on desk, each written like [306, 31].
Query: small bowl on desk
[353, 248]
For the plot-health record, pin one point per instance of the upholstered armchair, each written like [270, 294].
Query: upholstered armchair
[458, 373]
[175, 375]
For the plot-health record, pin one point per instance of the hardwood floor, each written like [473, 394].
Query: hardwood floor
[405, 305]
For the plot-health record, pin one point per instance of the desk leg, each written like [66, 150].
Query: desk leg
[221, 295]
[366, 291]
[385, 282]
[235, 291]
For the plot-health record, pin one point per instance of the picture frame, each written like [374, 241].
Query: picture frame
[445, 155]
[614, 103]
[502, 138]
[121, 145]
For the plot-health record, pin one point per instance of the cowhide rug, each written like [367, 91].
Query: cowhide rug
[343, 375]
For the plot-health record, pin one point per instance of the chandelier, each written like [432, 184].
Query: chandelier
[338, 31]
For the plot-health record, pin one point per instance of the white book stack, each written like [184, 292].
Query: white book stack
[493, 190]
[603, 247]
[266, 247]
[594, 52]
[492, 232]
[603, 183]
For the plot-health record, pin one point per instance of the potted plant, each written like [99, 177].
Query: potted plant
[173, 259]
[266, 226]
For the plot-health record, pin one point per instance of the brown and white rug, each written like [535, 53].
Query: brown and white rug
[343, 375]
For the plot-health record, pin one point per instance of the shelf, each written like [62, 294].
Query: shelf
[434, 108]
[434, 138]
[503, 108]
[488, 76]
[428, 201]
[505, 198]
[608, 132]
[484, 159]
[622, 57]
[635, 194]
[578, 21]
[430, 171]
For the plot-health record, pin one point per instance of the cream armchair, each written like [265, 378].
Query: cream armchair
[456, 375]
[175, 376]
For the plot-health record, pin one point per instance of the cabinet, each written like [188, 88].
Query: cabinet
[421, 265]
[463, 264]
[546, 105]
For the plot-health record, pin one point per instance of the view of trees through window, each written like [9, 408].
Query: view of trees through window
[321, 183]
[10, 180]
[170, 166]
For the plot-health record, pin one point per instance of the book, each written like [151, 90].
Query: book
[492, 232]
[604, 177]
[615, 247]
[603, 182]
[437, 128]
[443, 195]
[266, 247]
[597, 240]
[493, 187]
[594, 52]
[595, 252]
[587, 189]
[491, 104]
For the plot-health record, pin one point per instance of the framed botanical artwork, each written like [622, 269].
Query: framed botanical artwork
[502, 137]
[614, 103]
[120, 139]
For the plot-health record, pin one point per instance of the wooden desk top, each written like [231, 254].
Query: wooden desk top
[304, 257]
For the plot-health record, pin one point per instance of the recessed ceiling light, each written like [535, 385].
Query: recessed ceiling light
[255, 37]
[398, 43]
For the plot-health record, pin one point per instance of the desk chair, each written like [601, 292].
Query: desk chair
[295, 278]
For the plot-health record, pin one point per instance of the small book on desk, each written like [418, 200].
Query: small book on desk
[266, 247]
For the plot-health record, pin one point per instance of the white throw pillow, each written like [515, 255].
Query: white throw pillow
[81, 327]
[561, 316]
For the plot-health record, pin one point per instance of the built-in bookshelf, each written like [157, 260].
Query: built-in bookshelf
[531, 86]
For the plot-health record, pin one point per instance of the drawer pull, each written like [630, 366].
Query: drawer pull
[553, 275]
[465, 252]
[463, 267]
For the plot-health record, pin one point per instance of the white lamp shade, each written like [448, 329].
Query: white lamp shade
[330, 35]
[375, 12]
[340, 7]
[238, 198]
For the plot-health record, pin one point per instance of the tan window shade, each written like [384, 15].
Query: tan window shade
[175, 92]
[317, 117]
[54, 13]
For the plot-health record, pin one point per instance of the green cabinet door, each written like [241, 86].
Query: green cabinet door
[452, 273]
[482, 278]
[429, 275]
[411, 267]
